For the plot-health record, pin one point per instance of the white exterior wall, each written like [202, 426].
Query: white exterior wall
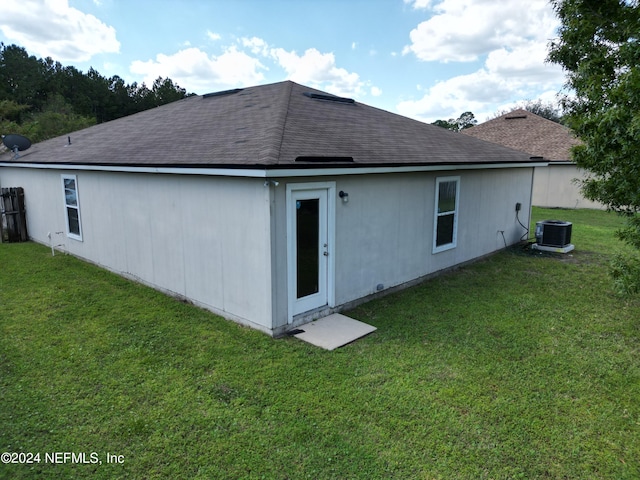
[203, 238]
[222, 242]
[554, 187]
[384, 234]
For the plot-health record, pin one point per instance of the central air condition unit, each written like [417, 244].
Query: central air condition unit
[554, 236]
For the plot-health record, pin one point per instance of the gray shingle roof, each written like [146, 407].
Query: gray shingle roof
[527, 132]
[268, 126]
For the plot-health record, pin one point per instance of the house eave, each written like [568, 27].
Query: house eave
[561, 162]
[297, 172]
[272, 171]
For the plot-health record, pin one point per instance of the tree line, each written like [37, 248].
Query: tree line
[41, 98]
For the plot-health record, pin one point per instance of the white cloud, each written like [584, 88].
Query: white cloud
[508, 38]
[464, 30]
[506, 78]
[318, 70]
[213, 36]
[449, 98]
[419, 4]
[312, 68]
[51, 28]
[525, 63]
[257, 45]
[242, 64]
[198, 72]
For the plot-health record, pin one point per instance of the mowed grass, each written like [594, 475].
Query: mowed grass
[523, 365]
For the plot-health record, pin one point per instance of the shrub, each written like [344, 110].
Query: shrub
[625, 271]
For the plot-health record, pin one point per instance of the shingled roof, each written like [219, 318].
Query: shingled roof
[527, 132]
[281, 125]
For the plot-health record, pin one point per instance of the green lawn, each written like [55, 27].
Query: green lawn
[519, 366]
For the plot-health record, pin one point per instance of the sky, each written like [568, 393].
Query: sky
[425, 59]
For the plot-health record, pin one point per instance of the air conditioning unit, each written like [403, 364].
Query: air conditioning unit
[553, 236]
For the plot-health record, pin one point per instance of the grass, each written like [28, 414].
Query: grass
[519, 366]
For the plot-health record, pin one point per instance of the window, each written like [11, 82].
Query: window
[446, 217]
[72, 206]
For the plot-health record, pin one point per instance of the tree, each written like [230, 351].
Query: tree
[11, 111]
[547, 110]
[10, 118]
[165, 91]
[448, 124]
[466, 120]
[53, 98]
[57, 118]
[21, 76]
[599, 48]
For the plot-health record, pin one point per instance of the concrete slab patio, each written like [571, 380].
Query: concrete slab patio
[333, 331]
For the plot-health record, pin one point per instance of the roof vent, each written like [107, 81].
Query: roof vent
[321, 159]
[514, 117]
[222, 93]
[331, 98]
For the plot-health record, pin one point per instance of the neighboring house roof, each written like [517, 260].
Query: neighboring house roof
[281, 125]
[527, 132]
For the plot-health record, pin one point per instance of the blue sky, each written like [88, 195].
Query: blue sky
[426, 59]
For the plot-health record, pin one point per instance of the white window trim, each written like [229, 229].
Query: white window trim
[70, 234]
[447, 246]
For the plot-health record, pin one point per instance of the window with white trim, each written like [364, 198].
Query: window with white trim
[72, 206]
[445, 227]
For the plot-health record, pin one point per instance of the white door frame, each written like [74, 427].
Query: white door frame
[326, 295]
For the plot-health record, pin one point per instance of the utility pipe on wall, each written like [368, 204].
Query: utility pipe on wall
[53, 247]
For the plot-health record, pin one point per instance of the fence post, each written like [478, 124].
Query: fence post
[13, 212]
[22, 215]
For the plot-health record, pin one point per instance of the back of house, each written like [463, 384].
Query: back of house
[273, 205]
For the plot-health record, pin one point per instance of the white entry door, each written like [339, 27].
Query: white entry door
[309, 247]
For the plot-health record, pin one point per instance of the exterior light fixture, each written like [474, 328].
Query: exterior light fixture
[344, 196]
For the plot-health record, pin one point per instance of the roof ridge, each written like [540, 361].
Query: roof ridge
[510, 116]
[545, 120]
[533, 114]
[277, 129]
[284, 119]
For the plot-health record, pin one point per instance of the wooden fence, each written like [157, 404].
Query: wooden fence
[13, 219]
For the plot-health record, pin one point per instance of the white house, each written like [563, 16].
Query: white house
[273, 205]
[555, 184]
